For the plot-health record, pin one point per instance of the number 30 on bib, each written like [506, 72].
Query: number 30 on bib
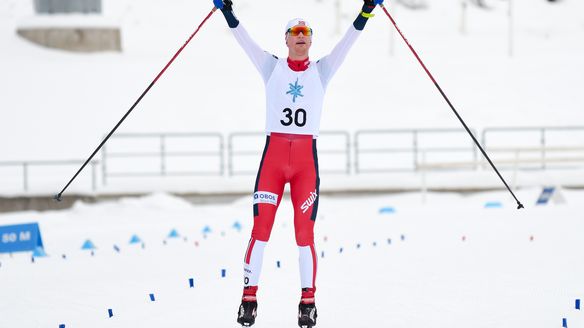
[297, 117]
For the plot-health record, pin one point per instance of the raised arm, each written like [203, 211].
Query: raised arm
[329, 64]
[263, 61]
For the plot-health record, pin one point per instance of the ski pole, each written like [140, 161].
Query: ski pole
[519, 205]
[58, 197]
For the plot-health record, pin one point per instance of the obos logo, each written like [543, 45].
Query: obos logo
[265, 197]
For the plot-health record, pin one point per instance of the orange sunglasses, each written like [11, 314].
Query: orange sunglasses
[296, 30]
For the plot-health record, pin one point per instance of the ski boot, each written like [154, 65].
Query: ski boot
[306, 315]
[247, 311]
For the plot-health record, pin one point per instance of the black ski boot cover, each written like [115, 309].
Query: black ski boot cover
[247, 313]
[307, 315]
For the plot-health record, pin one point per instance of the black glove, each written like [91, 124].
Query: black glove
[372, 3]
[224, 5]
[368, 6]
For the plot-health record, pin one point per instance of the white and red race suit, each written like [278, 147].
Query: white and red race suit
[294, 99]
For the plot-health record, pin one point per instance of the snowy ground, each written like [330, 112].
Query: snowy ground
[57, 105]
[426, 276]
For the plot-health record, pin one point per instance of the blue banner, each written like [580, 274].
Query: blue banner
[20, 238]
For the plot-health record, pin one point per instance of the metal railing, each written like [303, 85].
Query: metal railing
[515, 160]
[157, 150]
[407, 147]
[334, 147]
[26, 165]
[369, 151]
[541, 141]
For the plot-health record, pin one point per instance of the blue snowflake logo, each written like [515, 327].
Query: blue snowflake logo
[295, 90]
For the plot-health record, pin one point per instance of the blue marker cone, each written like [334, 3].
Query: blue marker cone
[61, 326]
[223, 273]
[135, 239]
[110, 313]
[387, 210]
[564, 323]
[278, 264]
[39, 252]
[493, 204]
[152, 298]
[191, 282]
[578, 304]
[237, 226]
[340, 250]
[88, 244]
[173, 234]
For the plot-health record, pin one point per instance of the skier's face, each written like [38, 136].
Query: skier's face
[299, 40]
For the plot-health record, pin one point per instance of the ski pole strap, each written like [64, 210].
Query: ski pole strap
[367, 15]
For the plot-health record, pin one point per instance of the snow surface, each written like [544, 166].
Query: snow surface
[57, 105]
[513, 268]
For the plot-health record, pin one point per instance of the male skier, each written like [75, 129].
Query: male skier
[295, 89]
